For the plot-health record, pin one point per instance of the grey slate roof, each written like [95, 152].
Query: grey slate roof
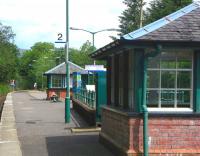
[61, 69]
[175, 26]
[180, 26]
[185, 28]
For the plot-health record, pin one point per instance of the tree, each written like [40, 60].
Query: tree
[80, 57]
[6, 34]
[8, 53]
[160, 8]
[34, 62]
[130, 18]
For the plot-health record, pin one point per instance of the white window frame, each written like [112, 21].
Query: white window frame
[52, 77]
[172, 109]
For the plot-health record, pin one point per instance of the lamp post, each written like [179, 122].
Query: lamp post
[93, 33]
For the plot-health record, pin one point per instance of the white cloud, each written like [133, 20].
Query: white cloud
[42, 20]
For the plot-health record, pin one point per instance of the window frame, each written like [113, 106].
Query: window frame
[52, 81]
[175, 89]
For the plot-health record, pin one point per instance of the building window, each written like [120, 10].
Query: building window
[65, 83]
[169, 80]
[56, 81]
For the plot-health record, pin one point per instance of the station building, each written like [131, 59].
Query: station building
[56, 78]
[153, 87]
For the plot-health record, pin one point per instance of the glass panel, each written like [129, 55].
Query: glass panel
[168, 64]
[167, 98]
[56, 81]
[184, 64]
[168, 79]
[183, 98]
[152, 98]
[153, 79]
[153, 63]
[184, 55]
[184, 79]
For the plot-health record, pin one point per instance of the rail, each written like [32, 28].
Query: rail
[87, 97]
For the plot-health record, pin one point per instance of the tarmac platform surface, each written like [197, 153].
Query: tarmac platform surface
[36, 127]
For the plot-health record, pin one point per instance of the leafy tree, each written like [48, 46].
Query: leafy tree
[8, 53]
[130, 18]
[160, 8]
[34, 62]
[6, 34]
[80, 57]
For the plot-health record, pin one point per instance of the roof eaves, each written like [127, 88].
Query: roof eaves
[105, 48]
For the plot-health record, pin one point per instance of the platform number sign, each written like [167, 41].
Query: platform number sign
[60, 36]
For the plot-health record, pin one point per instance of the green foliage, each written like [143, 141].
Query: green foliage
[44, 56]
[161, 8]
[4, 89]
[34, 62]
[81, 56]
[8, 53]
[130, 18]
[6, 34]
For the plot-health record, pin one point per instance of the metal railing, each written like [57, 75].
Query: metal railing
[86, 97]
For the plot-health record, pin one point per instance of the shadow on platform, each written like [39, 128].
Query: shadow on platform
[76, 145]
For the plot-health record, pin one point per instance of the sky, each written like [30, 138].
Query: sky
[42, 20]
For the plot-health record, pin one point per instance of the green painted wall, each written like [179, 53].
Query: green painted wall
[48, 81]
[101, 93]
[138, 80]
[197, 81]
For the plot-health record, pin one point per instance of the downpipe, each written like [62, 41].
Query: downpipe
[144, 106]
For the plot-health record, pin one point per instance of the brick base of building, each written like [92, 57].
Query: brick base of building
[169, 134]
[61, 92]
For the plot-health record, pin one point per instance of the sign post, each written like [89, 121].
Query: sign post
[67, 98]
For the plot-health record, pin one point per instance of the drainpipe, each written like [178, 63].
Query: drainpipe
[144, 106]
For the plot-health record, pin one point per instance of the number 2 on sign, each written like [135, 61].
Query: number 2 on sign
[60, 36]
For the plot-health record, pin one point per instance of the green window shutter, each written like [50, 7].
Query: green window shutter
[196, 81]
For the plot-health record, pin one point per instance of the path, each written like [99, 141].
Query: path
[42, 131]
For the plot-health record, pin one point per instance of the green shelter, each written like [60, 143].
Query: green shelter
[153, 87]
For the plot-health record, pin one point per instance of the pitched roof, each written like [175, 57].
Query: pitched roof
[181, 26]
[61, 69]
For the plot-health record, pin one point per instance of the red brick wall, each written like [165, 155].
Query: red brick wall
[174, 134]
[60, 92]
[167, 135]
